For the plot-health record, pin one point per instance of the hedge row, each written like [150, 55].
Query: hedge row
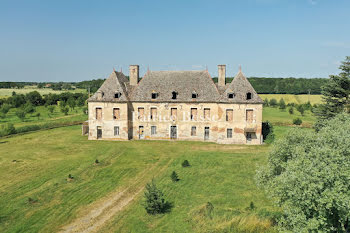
[9, 129]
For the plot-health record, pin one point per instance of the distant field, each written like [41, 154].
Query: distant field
[298, 99]
[279, 117]
[6, 92]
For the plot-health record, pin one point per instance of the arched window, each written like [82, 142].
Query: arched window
[249, 96]
[117, 95]
[174, 95]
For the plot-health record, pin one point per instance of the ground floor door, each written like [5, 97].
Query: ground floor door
[141, 132]
[173, 132]
[206, 133]
[99, 132]
[248, 137]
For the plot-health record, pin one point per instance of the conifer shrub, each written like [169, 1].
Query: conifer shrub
[174, 177]
[154, 202]
[185, 163]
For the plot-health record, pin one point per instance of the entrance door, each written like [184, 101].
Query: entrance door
[249, 137]
[173, 132]
[99, 132]
[206, 133]
[141, 132]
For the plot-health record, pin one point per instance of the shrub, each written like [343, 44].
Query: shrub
[64, 110]
[185, 163]
[70, 176]
[5, 108]
[96, 161]
[252, 206]
[29, 108]
[301, 109]
[2, 115]
[291, 110]
[267, 132]
[266, 102]
[7, 129]
[154, 200]
[174, 177]
[297, 121]
[209, 208]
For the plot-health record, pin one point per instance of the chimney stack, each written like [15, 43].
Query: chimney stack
[133, 74]
[221, 75]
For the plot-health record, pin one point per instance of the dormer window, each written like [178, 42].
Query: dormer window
[174, 95]
[249, 96]
[117, 95]
[194, 95]
[155, 95]
[230, 95]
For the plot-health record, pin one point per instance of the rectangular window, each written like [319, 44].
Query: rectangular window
[249, 116]
[193, 114]
[153, 130]
[153, 113]
[116, 130]
[207, 113]
[116, 113]
[229, 133]
[193, 131]
[174, 113]
[98, 113]
[141, 112]
[229, 114]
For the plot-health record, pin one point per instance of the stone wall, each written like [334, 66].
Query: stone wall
[129, 122]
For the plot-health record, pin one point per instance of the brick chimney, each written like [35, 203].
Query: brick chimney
[133, 74]
[221, 75]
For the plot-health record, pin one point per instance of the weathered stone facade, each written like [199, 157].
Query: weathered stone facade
[197, 110]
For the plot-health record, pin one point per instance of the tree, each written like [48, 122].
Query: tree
[308, 175]
[266, 102]
[335, 95]
[35, 98]
[267, 132]
[71, 102]
[5, 108]
[64, 109]
[174, 177]
[291, 110]
[282, 104]
[273, 102]
[301, 109]
[185, 163]
[29, 108]
[21, 114]
[154, 200]
[51, 108]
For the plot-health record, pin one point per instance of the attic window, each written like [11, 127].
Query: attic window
[249, 96]
[194, 95]
[155, 95]
[230, 95]
[117, 95]
[174, 95]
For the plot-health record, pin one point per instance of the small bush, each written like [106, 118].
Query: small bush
[291, 110]
[252, 206]
[174, 177]
[32, 201]
[267, 132]
[273, 102]
[51, 108]
[64, 110]
[7, 129]
[209, 208]
[301, 109]
[154, 200]
[96, 161]
[297, 121]
[282, 104]
[185, 163]
[21, 114]
[70, 176]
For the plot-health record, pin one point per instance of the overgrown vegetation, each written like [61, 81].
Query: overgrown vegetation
[308, 175]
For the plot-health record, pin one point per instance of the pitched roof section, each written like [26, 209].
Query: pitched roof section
[184, 83]
[240, 86]
[115, 83]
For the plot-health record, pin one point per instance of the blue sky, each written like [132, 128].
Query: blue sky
[71, 40]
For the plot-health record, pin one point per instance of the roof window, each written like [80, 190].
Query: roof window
[249, 96]
[117, 95]
[230, 95]
[174, 95]
[155, 95]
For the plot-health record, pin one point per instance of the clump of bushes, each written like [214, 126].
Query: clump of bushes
[155, 202]
[185, 163]
[297, 121]
[7, 129]
[174, 177]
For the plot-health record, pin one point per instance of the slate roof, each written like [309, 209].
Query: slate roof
[184, 83]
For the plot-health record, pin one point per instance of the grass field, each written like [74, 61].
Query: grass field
[283, 118]
[36, 166]
[45, 116]
[6, 92]
[298, 99]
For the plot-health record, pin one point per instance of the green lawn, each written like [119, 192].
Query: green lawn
[297, 99]
[6, 92]
[36, 166]
[279, 117]
[45, 116]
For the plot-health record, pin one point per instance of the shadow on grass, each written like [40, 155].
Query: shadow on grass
[167, 207]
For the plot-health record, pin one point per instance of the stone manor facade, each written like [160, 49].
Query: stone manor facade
[176, 105]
